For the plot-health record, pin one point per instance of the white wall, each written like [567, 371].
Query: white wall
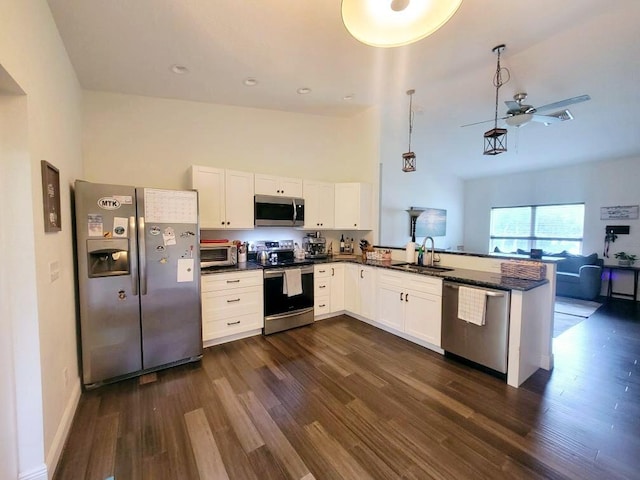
[152, 142]
[430, 186]
[598, 185]
[42, 313]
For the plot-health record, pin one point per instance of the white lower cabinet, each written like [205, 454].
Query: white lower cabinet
[360, 290]
[232, 304]
[411, 304]
[328, 281]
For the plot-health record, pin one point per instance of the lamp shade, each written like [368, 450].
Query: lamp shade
[392, 23]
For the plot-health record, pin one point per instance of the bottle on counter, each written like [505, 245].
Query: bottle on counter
[342, 243]
[421, 255]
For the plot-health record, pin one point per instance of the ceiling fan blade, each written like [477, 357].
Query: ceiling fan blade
[483, 121]
[563, 103]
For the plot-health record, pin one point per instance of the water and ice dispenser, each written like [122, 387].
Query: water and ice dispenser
[108, 257]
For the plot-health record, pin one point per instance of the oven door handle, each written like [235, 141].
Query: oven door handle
[289, 314]
[279, 272]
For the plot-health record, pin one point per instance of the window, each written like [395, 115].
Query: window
[552, 228]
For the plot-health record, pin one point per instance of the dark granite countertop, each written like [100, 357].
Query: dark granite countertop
[505, 256]
[461, 275]
[240, 267]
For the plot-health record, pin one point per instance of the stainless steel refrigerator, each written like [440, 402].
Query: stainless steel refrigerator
[138, 279]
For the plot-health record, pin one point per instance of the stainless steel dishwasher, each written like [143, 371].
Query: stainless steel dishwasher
[486, 345]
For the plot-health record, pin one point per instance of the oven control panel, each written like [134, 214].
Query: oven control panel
[274, 245]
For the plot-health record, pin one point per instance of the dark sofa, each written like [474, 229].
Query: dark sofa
[579, 276]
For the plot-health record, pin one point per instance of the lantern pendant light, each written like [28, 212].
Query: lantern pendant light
[409, 158]
[495, 140]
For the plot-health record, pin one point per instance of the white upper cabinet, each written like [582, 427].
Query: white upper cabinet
[319, 204]
[353, 206]
[278, 186]
[225, 197]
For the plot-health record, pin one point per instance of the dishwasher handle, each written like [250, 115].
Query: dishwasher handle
[486, 292]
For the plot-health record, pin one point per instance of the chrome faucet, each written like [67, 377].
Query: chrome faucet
[433, 249]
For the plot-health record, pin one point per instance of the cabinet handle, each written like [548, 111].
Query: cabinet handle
[233, 323]
[228, 223]
[361, 273]
[222, 223]
[321, 271]
[333, 272]
[406, 297]
[233, 281]
[322, 286]
[401, 299]
[355, 224]
[322, 305]
[233, 301]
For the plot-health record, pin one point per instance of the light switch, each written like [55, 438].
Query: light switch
[54, 271]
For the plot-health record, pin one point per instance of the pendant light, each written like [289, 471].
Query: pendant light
[495, 140]
[409, 158]
[392, 23]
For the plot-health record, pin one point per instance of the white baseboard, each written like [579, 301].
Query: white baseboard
[53, 456]
[39, 473]
[231, 338]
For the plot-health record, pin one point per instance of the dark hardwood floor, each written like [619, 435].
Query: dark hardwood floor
[344, 400]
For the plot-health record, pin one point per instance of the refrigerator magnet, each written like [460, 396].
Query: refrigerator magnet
[94, 225]
[120, 226]
[155, 230]
[169, 236]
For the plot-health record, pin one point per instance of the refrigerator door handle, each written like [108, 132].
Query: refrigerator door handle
[142, 257]
[133, 258]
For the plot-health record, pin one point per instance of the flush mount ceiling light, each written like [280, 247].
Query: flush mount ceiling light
[250, 82]
[303, 90]
[392, 23]
[179, 69]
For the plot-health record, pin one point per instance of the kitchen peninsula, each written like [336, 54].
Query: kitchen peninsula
[365, 285]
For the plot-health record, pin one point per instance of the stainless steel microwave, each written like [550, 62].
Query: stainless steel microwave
[218, 254]
[273, 211]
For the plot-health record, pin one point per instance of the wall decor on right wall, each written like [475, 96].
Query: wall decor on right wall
[624, 212]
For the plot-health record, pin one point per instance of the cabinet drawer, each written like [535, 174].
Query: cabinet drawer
[223, 281]
[322, 286]
[322, 271]
[229, 304]
[322, 305]
[230, 326]
[414, 281]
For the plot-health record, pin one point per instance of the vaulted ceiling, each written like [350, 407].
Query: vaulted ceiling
[555, 50]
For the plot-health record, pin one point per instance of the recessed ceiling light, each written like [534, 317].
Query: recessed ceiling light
[179, 69]
[304, 90]
[250, 82]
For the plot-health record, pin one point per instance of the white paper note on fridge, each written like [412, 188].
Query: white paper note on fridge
[185, 270]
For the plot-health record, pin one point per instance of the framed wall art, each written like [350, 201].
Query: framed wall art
[51, 197]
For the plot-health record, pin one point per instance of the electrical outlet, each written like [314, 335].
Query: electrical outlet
[54, 271]
[65, 374]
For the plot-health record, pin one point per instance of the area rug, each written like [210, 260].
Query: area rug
[569, 312]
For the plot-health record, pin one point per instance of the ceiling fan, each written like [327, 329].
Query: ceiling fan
[520, 114]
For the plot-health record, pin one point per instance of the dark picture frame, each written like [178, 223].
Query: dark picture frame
[51, 197]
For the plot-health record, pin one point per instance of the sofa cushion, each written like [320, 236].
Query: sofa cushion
[572, 264]
[565, 277]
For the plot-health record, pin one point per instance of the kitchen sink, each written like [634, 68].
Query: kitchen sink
[412, 267]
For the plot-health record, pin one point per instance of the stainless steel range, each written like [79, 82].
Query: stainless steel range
[288, 286]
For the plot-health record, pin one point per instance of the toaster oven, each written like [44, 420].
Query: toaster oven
[218, 254]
